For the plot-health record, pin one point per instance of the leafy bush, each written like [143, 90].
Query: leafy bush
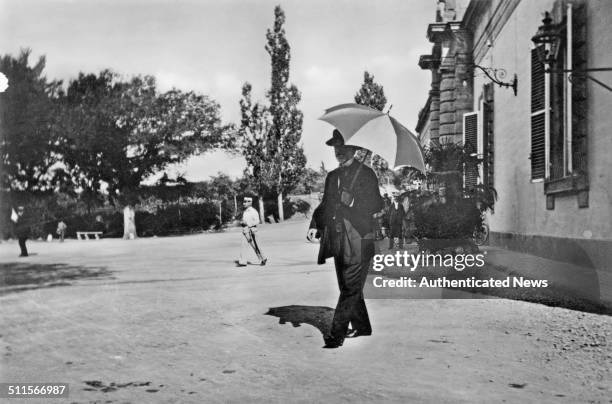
[440, 226]
[447, 217]
[153, 216]
[301, 206]
[290, 207]
[179, 219]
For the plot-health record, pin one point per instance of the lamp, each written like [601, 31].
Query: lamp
[550, 36]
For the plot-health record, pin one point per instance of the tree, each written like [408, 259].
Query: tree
[223, 191]
[310, 181]
[373, 95]
[284, 150]
[254, 142]
[116, 133]
[27, 109]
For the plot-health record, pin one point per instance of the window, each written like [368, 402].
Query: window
[478, 128]
[558, 107]
[560, 103]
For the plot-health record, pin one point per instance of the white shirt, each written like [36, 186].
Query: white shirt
[250, 217]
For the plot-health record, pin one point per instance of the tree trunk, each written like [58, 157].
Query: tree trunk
[129, 223]
[281, 213]
[262, 212]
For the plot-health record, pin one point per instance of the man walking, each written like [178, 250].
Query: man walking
[22, 229]
[61, 230]
[250, 220]
[343, 220]
[396, 221]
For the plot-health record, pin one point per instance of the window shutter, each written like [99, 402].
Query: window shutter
[470, 143]
[480, 142]
[537, 81]
[538, 146]
[579, 110]
[488, 138]
[538, 116]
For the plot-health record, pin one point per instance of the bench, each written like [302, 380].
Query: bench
[84, 235]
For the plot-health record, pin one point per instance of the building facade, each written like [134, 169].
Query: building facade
[543, 134]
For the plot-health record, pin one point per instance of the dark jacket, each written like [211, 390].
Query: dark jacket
[22, 226]
[396, 216]
[99, 226]
[331, 212]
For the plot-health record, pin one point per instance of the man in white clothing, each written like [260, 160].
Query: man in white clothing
[250, 220]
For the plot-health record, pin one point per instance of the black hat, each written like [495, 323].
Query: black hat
[336, 140]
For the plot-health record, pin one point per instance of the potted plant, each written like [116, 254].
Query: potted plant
[447, 214]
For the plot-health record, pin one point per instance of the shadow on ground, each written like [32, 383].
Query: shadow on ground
[19, 277]
[319, 317]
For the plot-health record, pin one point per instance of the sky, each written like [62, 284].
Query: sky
[213, 47]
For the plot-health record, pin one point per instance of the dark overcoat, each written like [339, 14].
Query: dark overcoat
[329, 216]
[22, 226]
[396, 218]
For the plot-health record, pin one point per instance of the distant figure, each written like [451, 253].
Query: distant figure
[409, 226]
[386, 200]
[384, 222]
[99, 225]
[22, 229]
[61, 230]
[250, 220]
[396, 220]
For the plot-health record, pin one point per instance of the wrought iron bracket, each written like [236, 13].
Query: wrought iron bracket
[582, 73]
[497, 76]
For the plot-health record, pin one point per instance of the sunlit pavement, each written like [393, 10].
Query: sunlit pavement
[173, 320]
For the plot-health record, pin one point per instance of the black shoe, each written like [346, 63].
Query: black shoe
[263, 262]
[357, 333]
[332, 342]
[238, 264]
[23, 255]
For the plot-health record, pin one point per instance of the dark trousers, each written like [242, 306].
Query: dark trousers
[396, 231]
[22, 245]
[351, 306]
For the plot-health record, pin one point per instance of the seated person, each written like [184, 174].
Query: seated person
[99, 225]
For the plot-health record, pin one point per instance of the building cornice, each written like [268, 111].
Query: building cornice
[474, 10]
[440, 32]
[436, 32]
[475, 15]
[429, 62]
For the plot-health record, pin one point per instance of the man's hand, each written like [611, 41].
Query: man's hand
[347, 198]
[312, 234]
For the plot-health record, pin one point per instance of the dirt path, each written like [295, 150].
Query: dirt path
[171, 320]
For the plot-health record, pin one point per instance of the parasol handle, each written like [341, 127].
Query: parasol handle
[365, 157]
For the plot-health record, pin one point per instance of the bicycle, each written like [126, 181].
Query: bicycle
[481, 236]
